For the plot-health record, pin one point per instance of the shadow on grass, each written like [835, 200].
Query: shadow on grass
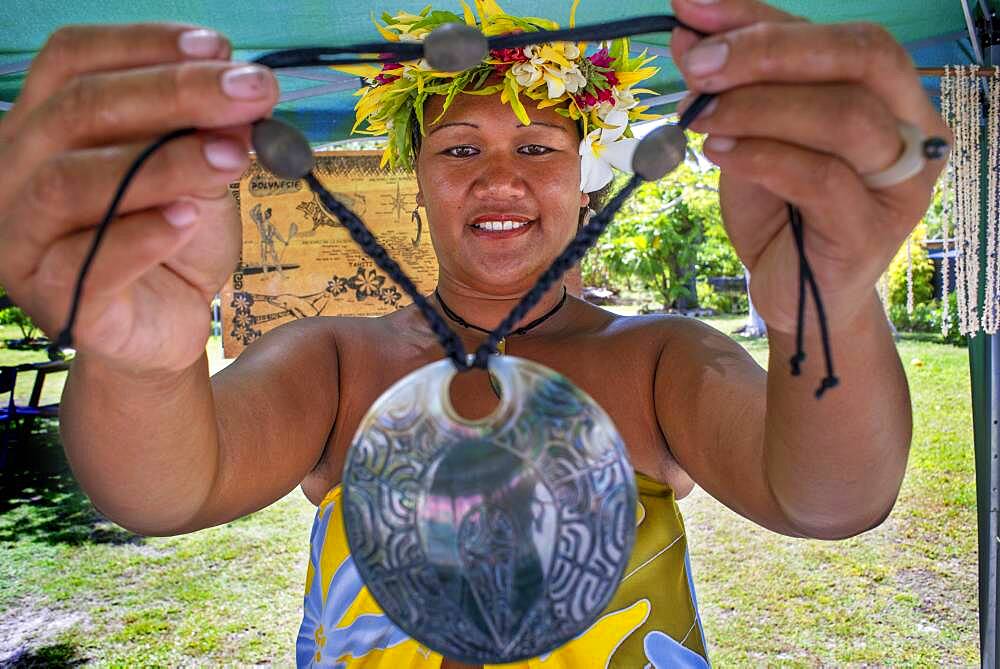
[54, 655]
[40, 500]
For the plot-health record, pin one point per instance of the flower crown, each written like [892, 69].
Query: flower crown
[596, 91]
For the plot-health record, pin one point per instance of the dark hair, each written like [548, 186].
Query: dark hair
[598, 200]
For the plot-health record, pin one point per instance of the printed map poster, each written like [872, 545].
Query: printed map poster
[298, 260]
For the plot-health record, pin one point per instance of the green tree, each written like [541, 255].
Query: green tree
[922, 272]
[935, 216]
[14, 316]
[667, 234]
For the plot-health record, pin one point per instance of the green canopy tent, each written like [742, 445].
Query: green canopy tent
[320, 102]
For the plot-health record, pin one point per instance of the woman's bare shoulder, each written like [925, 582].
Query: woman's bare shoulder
[665, 327]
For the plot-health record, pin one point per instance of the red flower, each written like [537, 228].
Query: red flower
[514, 55]
[385, 78]
[585, 101]
[601, 59]
[611, 78]
[605, 95]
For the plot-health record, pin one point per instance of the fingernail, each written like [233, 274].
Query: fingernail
[248, 82]
[180, 214]
[706, 58]
[720, 144]
[200, 43]
[225, 154]
[704, 2]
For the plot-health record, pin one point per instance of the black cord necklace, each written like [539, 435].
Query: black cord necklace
[428, 494]
[502, 344]
[453, 47]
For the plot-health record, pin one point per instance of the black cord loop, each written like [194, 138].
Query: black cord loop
[65, 338]
[394, 52]
[806, 276]
[577, 248]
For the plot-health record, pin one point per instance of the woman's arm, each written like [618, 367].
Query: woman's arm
[803, 113]
[763, 445]
[175, 454]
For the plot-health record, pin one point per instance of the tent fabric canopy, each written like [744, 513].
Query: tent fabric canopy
[320, 101]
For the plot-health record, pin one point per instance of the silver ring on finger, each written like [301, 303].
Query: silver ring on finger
[909, 164]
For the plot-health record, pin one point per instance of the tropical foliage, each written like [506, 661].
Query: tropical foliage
[14, 316]
[925, 314]
[667, 237]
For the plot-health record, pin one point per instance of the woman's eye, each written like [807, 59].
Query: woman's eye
[460, 151]
[536, 150]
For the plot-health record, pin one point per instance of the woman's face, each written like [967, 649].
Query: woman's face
[479, 168]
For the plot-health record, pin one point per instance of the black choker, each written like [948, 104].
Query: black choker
[501, 345]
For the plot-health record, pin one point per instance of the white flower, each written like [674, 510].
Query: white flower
[574, 79]
[603, 149]
[558, 79]
[561, 79]
[526, 73]
[555, 84]
[622, 101]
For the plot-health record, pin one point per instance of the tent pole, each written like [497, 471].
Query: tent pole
[990, 649]
[984, 364]
[973, 35]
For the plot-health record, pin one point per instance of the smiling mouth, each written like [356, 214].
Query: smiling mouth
[501, 228]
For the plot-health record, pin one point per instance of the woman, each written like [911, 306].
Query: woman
[163, 449]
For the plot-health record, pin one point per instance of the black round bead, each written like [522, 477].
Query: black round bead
[454, 47]
[935, 148]
[282, 149]
[659, 152]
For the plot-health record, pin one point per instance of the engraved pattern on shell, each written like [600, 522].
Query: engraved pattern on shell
[494, 540]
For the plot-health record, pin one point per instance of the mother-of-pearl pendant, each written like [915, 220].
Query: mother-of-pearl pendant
[497, 539]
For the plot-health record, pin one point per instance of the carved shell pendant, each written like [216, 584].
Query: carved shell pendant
[493, 540]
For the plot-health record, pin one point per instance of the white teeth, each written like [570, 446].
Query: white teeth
[497, 226]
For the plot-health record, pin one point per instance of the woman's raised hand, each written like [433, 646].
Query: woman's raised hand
[95, 97]
[803, 111]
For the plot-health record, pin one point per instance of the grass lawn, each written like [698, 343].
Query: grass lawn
[904, 594]
[75, 588]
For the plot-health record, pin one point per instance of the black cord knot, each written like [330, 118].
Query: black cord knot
[796, 363]
[827, 383]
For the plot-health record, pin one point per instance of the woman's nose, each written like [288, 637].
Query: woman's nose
[500, 178]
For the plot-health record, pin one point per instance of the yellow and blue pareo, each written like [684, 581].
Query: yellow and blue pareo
[652, 621]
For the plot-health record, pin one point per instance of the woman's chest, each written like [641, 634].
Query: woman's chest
[618, 377]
